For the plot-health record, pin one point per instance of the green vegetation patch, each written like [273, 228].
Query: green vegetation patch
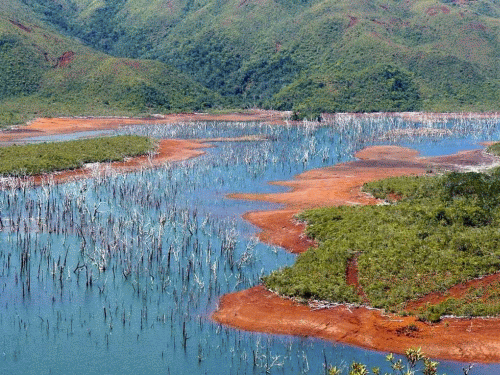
[35, 159]
[477, 301]
[308, 56]
[436, 232]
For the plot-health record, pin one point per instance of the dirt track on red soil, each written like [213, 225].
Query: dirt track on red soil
[257, 309]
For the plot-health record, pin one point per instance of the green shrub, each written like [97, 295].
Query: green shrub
[36, 159]
[442, 231]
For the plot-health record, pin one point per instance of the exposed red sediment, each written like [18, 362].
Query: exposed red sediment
[279, 228]
[21, 26]
[49, 126]
[258, 309]
[353, 21]
[351, 276]
[168, 150]
[65, 59]
[457, 291]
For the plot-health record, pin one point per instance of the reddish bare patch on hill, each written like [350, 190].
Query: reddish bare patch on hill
[353, 21]
[65, 59]
[133, 64]
[435, 10]
[378, 22]
[431, 11]
[477, 26]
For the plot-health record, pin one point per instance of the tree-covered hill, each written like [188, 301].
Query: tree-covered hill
[307, 55]
[44, 72]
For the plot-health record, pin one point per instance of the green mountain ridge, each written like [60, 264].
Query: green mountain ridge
[46, 73]
[309, 55]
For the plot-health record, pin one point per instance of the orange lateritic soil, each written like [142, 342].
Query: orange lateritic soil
[168, 150]
[48, 126]
[257, 309]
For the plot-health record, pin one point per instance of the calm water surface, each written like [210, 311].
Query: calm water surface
[119, 274]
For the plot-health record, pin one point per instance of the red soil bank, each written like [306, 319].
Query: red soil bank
[258, 309]
[168, 150]
[48, 126]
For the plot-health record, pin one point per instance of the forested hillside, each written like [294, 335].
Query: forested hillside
[305, 55]
[43, 72]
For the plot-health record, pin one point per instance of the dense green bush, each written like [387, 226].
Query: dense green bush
[442, 231]
[20, 73]
[307, 56]
[36, 159]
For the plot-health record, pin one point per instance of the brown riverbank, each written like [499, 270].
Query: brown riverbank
[168, 150]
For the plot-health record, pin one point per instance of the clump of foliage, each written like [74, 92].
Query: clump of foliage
[416, 363]
[443, 230]
[36, 159]
[381, 87]
[494, 149]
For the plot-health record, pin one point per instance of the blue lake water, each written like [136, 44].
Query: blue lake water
[119, 274]
[67, 137]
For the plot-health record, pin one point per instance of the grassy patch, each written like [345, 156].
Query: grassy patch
[49, 157]
[494, 149]
[442, 231]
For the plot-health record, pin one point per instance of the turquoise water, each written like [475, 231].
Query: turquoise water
[119, 274]
[67, 137]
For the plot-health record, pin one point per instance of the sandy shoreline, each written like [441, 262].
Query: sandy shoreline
[257, 309]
